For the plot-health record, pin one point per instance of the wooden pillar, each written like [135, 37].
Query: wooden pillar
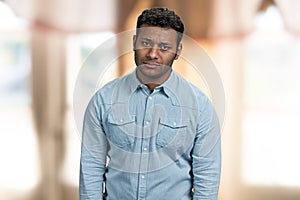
[49, 105]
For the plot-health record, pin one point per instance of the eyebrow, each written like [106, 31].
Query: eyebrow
[166, 43]
[161, 43]
[147, 39]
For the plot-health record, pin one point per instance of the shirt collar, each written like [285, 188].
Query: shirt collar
[168, 88]
[133, 82]
[169, 85]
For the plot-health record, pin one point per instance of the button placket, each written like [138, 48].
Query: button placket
[144, 150]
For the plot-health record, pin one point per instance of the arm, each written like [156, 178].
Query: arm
[93, 154]
[206, 155]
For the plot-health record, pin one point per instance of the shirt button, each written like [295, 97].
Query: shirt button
[142, 176]
[121, 120]
[174, 123]
[145, 149]
[150, 98]
[147, 122]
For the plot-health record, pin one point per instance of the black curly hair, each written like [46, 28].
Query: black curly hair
[161, 17]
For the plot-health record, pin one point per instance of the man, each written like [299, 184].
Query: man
[151, 134]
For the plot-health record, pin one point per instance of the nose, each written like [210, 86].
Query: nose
[153, 53]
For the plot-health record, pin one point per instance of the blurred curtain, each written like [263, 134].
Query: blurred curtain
[290, 13]
[205, 18]
[68, 15]
[235, 18]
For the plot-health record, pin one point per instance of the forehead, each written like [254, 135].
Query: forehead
[157, 34]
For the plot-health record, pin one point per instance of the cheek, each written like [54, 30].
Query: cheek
[138, 57]
[170, 58]
[140, 54]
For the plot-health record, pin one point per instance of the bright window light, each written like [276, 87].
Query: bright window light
[9, 20]
[272, 104]
[19, 168]
[79, 48]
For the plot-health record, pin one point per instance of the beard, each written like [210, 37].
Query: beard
[153, 75]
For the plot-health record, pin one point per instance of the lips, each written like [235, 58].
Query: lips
[151, 65]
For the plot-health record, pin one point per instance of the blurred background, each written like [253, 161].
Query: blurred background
[255, 45]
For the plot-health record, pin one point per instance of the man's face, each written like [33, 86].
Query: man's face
[155, 50]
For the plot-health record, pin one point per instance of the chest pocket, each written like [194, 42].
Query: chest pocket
[171, 132]
[120, 130]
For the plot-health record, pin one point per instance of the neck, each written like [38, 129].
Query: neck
[151, 86]
[152, 83]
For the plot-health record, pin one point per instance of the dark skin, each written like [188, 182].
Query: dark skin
[156, 49]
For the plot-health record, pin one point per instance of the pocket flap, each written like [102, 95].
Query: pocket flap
[120, 120]
[173, 122]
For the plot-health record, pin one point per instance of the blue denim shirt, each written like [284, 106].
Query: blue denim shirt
[142, 145]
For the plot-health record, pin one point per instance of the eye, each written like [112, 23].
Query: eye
[146, 44]
[164, 47]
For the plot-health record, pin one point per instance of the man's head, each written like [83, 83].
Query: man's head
[161, 17]
[157, 44]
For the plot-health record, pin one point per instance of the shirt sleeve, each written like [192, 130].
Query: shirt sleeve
[93, 154]
[206, 155]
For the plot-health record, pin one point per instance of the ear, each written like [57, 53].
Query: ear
[133, 41]
[178, 52]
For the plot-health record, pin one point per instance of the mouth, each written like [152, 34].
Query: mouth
[151, 65]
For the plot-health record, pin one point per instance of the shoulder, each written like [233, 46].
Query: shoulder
[108, 88]
[103, 95]
[191, 94]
